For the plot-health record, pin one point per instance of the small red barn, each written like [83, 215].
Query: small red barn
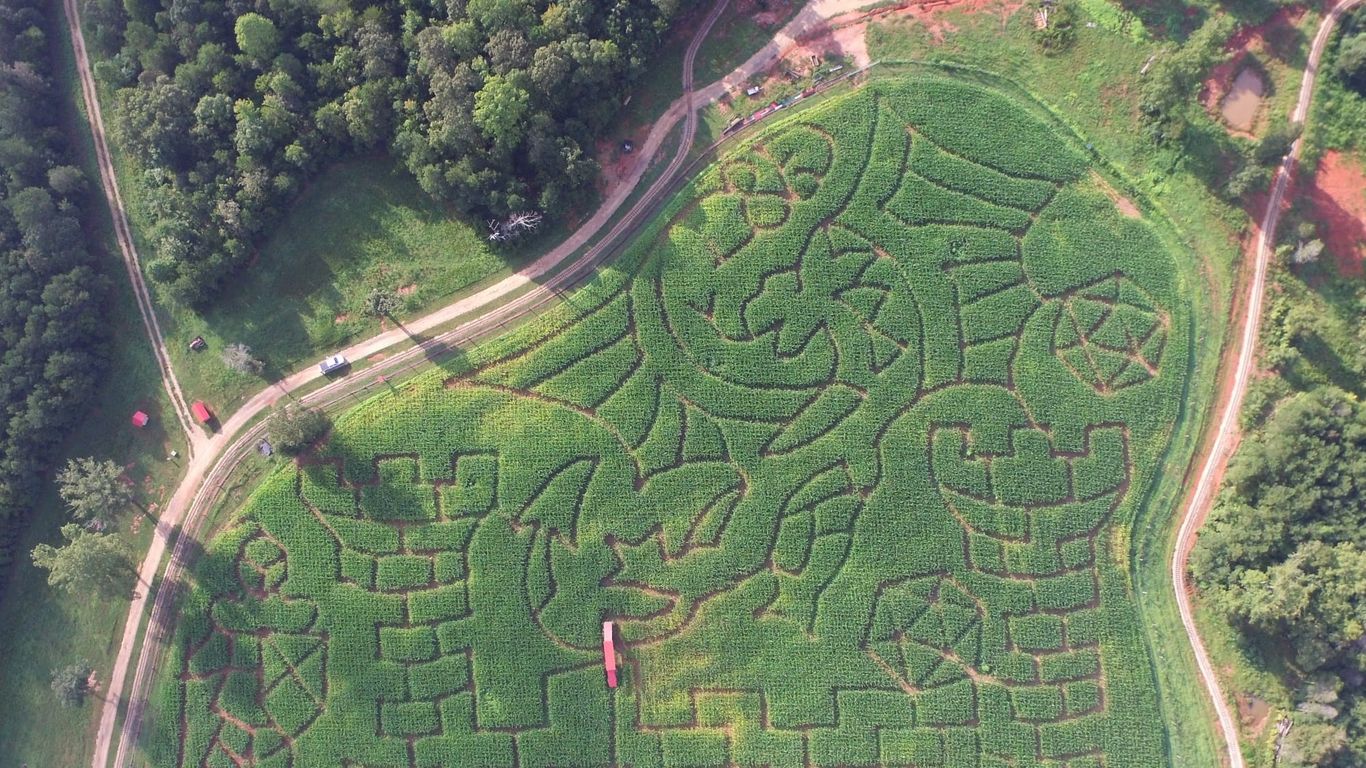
[609, 654]
[201, 412]
[140, 419]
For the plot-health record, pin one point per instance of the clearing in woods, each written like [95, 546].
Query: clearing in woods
[848, 446]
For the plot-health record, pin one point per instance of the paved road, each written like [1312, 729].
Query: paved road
[535, 285]
[1225, 438]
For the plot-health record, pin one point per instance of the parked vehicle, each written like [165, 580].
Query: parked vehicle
[333, 364]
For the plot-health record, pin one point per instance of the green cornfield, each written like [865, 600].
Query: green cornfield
[848, 446]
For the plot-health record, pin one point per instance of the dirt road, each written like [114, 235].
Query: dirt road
[123, 234]
[1225, 438]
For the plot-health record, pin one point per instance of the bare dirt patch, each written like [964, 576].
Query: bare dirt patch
[1253, 713]
[1338, 195]
[1125, 205]
[931, 14]
[616, 163]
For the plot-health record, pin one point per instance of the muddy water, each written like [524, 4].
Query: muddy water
[1244, 99]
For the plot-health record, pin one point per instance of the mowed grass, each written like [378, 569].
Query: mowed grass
[42, 629]
[361, 225]
[849, 446]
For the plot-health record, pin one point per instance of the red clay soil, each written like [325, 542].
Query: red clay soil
[930, 13]
[1338, 195]
[1273, 37]
[617, 165]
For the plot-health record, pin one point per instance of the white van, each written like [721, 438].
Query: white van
[332, 364]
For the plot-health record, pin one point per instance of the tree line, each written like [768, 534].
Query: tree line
[53, 345]
[231, 106]
[1284, 557]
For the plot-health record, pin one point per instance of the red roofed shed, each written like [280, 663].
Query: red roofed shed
[201, 411]
[140, 419]
[609, 654]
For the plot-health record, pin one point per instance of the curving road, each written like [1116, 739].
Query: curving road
[213, 457]
[1225, 438]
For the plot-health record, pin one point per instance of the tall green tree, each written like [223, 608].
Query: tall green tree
[53, 336]
[293, 428]
[89, 564]
[491, 104]
[257, 36]
[1351, 62]
[95, 491]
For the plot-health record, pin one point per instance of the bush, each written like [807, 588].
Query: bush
[70, 683]
[294, 428]
[1061, 31]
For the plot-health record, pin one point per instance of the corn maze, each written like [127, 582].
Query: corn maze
[849, 454]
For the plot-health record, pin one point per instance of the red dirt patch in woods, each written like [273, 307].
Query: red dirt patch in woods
[616, 164]
[1274, 37]
[1253, 712]
[1338, 194]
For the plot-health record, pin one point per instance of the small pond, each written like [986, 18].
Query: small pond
[1244, 100]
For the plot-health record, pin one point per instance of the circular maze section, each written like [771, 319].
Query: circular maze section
[847, 446]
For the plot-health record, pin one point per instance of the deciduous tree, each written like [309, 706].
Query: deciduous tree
[89, 564]
[293, 428]
[70, 683]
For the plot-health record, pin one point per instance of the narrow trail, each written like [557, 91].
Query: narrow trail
[1226, 435]
[123, 233]
[218, 454]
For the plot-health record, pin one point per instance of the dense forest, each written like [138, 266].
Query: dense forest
[231, 106]
[52, 338]
[1284, 556]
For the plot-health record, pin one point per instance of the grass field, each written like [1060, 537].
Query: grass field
[849, 447]
[363, 224]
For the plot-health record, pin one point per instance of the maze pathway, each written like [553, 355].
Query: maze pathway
[849, 456]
